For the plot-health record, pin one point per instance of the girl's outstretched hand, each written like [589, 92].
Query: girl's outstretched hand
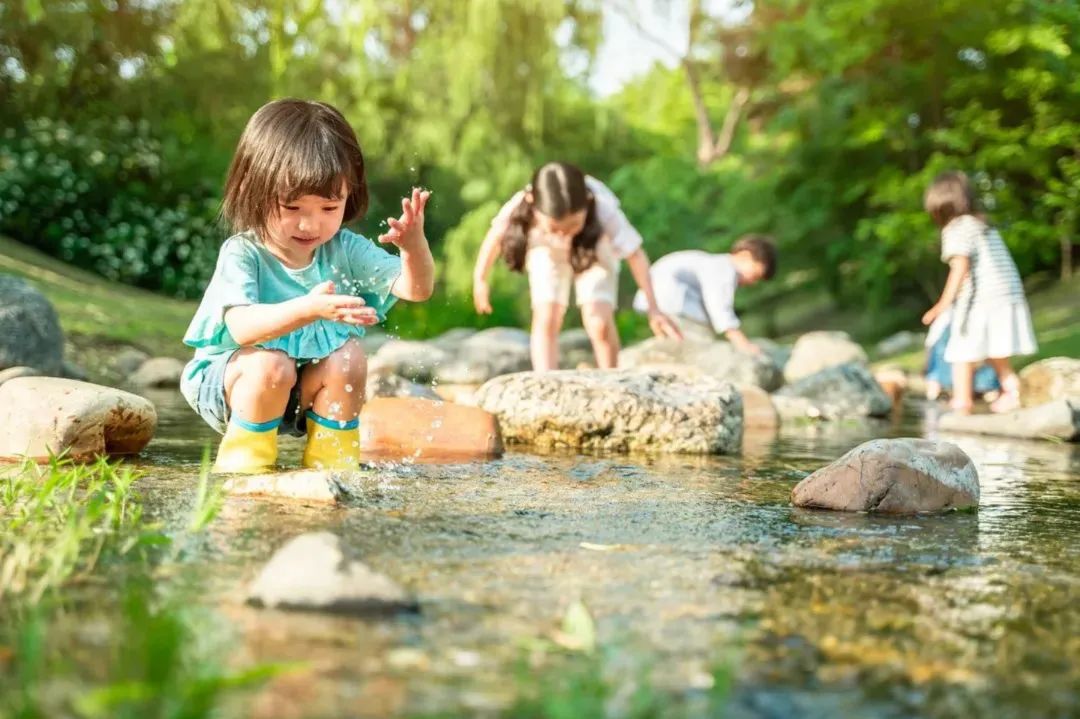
[407, 232]
[663, 326]
[481, 296]
[326, 305]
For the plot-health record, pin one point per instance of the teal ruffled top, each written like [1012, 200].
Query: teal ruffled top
[247, 274]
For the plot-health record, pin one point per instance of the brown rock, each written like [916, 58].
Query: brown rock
[427, 429]
[43, 415]
[893, 476]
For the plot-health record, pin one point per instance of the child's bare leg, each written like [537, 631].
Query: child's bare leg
[547, 319]
[258, 383]
[334, 387]
[1010, 385]
[963, 376]
[599, 321]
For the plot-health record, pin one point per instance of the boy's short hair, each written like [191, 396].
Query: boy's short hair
[762, 248]
[949, 196]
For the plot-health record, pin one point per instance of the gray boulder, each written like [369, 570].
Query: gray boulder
[845, 392]
[312, 572]
[816, 351]
[575, 349]
[383, 383]
[617, 410]
[893, 476]
[128, 361]
[413, 360]
[30, 334]
[1056, 420]
[158, 372]
[486, 354]
[716, 358]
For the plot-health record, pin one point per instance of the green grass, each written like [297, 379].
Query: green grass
[75, 548]
[97, 311]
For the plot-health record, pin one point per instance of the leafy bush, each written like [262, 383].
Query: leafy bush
[98, 197]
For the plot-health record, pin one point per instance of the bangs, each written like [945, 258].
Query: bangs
[314, 165]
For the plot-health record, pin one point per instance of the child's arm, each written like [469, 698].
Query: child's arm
[959, 266]
[417, 279]
[251, 324]
[485, 260]
[659, 323]
[742, 343]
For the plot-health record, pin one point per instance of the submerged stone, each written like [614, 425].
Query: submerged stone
[893, 476]
[312, 572]
[43, 415]
[313, 485]
[656, 410]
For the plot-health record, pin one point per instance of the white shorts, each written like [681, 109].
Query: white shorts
[991, 333]
[550, 277]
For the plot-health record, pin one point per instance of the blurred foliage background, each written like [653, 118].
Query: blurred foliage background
[820, 122]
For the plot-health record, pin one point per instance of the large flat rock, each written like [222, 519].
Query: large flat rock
[1057, 420]
[617, 410]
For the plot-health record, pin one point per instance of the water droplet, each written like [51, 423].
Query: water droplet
[348, 388]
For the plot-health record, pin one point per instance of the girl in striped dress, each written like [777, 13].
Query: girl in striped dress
[991, 319]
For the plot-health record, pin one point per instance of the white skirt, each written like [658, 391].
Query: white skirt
[991, 332]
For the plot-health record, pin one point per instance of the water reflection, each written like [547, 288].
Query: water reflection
[681, 560]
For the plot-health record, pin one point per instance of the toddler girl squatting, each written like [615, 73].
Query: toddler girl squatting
[276, 334]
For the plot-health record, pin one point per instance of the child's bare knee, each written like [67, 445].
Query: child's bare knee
[597, 323]
[349, 361]
[272, 367]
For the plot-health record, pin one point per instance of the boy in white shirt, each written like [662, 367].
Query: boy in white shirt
[697, 288]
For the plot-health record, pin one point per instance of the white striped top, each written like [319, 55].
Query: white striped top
[993, 279]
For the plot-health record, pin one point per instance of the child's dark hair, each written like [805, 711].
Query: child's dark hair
[762, 248]
[291, 148]
[949, 196]
[558, 189]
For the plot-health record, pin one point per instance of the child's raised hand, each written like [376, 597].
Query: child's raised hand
[326, 305]
[407, 231]
[481, 295]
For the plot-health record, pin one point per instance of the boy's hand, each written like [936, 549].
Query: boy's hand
[407, 232]
[481, 296]
[324, 304]
[662, 325]
[932, 314]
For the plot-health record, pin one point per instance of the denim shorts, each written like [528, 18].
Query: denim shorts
[205, 392]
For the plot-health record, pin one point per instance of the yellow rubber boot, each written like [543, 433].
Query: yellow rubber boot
[331, 444]
[247, 447]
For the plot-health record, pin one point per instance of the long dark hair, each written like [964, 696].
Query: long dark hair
[558, 189]
[291, 148]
